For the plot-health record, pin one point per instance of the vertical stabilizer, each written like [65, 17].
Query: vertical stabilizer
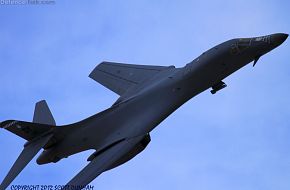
[42, 114]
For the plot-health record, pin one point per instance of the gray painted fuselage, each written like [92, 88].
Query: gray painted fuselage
[140, 112]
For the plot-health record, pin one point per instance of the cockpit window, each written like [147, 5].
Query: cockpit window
[240, 45]
[243, 43]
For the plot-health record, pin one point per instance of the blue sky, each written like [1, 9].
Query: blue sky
[237, 139]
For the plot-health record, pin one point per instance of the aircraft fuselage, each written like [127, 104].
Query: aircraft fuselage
[148, 95]
[140, 113]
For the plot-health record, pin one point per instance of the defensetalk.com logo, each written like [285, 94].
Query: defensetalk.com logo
[27, 2]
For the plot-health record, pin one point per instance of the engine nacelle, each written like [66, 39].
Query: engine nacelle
[132, 153]
[46, 157]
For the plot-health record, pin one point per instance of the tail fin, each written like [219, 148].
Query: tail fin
[38, 135]
[42, 114]
[43, 121]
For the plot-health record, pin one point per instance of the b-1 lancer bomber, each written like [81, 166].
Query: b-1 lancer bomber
[148, 95]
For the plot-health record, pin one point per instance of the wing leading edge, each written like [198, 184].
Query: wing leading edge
[29, 151]
[119, 77]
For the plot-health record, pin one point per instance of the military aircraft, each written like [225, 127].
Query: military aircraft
[148, 95]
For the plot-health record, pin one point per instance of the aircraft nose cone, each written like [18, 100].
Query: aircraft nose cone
[279, 38]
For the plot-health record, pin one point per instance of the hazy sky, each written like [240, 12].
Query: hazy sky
[237, 139]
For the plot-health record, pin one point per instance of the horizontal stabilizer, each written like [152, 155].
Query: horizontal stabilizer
[24, 158]
[119, 77]
[42, 114]
[26, 130]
